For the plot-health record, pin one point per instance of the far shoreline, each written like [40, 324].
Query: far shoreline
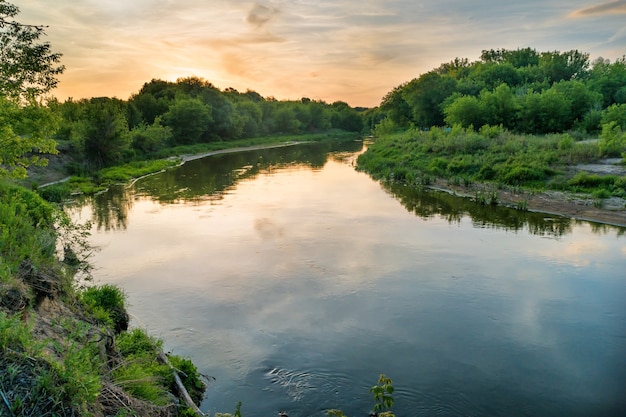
[556, 203]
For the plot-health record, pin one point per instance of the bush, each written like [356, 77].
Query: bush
[612, 140]
[524, 174]
[55, 193]
[107, 305]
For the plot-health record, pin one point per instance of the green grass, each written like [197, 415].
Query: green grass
[491, 155]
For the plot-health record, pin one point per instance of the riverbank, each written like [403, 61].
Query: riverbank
[551, 174]
[611, 211]
[65, 348]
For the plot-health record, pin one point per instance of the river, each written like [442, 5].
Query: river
[294, 280]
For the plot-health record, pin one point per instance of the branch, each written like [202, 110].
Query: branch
[179, 384]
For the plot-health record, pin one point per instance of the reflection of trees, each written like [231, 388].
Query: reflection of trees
[428, 203]
[111, 208]
[208, 178]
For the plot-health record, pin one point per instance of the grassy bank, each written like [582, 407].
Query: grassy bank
[498, 157]
[65, 349]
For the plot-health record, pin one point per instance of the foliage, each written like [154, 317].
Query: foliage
[150, 138]
[164, 116]
[493, 154]
[25, 228]
[191, 379]
[143, 376]
[612, 140]
[29, 68]
[103, 133]
[107, 304]
[383, 396]
[189, 120]
[25, 134]
[383, 399]
[384, 127]
[523, 90]
[140, 374]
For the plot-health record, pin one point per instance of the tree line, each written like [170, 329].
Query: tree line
[105, 131]
[523, 90]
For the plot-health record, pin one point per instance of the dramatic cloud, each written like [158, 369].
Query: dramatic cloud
[350, 50]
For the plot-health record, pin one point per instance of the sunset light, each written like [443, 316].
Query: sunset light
[347, 50]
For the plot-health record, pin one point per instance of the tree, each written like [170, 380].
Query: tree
[500, 106]
[425, 96]
[28, 69]
[189, 120]
[25, 133]
[105, 135]
[465, 111]
[396, 107]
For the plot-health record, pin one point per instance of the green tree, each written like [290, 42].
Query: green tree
[609, 79]
[251, 115]
[612, 140]
[558, 66]
[189, 119]
[26, 132]
[395, 106]
[546, 112]
[581, 97]
[104, 134]
[426, 95]
[28, 68]
[465, 111]
[500, 106]
[345, 117]
[615, 113]
[150, 138]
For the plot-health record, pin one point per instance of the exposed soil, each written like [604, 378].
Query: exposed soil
[582, 207]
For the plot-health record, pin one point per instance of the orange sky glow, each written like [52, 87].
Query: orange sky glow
[350, 50]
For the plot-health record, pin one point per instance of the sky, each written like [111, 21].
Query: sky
[350, 50]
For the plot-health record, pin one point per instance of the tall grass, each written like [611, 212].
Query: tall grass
[493, 154]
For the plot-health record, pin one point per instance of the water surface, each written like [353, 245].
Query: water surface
[295, 280]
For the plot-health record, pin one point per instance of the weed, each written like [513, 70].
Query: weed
[383, 397]
[106, 303]
[522, 205]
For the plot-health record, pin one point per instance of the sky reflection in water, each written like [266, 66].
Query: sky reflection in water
[296, 283]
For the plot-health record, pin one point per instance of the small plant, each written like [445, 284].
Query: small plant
[383, 396]
[494, 198]
[522, 205]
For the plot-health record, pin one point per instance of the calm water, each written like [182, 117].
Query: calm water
[295, 280]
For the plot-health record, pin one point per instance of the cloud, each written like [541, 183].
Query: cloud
[612, 7]
[346, 50]
[260, 14]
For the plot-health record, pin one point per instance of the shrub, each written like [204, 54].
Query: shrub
[106, 302]
[523, 174]
[612, 140]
